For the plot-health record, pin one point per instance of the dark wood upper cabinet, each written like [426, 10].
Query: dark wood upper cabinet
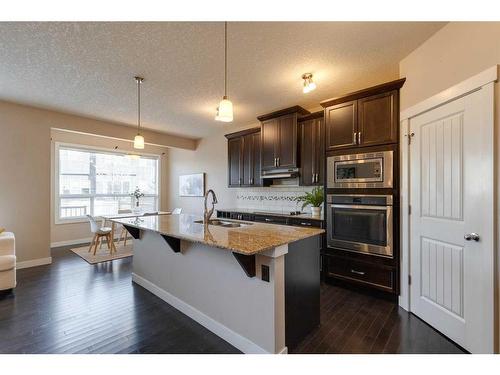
[341, 125]
[244, 158]
[269, 143]
[279, 138]
[287, 142]
[311, 149]
[367, 117]
[235, 161]
[377, 119]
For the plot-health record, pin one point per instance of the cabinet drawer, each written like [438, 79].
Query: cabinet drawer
[271, 219]
[374, 275]
[305, 223]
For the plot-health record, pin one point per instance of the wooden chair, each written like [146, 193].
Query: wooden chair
[123, 232]
[99, 232]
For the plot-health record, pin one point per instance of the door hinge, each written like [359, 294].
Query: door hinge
[409, 209]
[409, 136]
[409, 279]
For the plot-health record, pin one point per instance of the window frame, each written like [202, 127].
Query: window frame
[57, 196]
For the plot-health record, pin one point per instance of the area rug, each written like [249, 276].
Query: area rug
[102, 255]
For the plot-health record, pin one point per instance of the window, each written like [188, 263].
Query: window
[100, 182]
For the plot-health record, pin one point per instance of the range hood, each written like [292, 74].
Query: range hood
[280, 173]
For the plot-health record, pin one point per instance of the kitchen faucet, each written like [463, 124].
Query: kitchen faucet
[208, 213]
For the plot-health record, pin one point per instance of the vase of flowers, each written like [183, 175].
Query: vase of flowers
[137, 194]
[313, 199]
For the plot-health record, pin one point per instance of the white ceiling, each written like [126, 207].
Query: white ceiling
[88, 68]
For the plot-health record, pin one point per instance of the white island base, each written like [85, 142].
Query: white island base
[209, 285]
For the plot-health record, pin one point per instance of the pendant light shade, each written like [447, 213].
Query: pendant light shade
[139, 139]
[139, 142]
[225, 108]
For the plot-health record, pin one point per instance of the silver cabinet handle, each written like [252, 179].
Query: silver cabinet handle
[278, 162]
[472, 236]
[357, 272]
[266, 219]
[354, 137]
[307, 224]
[313, 178]
[359, 138]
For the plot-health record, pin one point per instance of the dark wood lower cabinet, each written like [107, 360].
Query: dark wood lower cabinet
[375, 275]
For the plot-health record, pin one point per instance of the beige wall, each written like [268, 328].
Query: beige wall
[210, 157]
[71, 232]
[25, 168]
[455, 53]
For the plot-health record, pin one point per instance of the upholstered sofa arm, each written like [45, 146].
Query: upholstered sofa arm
[7, 244]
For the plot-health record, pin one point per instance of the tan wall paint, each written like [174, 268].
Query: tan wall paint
[25, 169]
[456, 52]
[210, 157]
[76, 231]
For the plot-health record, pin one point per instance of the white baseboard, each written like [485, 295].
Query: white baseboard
[33, 263]
[80, 241]
[235, 339]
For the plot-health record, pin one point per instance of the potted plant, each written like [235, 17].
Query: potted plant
[137, 194]
[314, 199]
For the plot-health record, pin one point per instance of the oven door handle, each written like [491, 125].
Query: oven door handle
[360, 206]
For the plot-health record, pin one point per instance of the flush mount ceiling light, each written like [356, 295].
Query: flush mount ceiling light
[225, 108]
[139, 139]
[309, 85]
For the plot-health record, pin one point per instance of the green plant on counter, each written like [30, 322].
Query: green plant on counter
[314, 198]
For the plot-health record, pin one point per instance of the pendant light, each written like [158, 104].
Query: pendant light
[225, 108]
[309, 85]
[139, 139]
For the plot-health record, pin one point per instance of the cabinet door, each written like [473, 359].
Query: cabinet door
[235, 160]
[307, 152]
[256, 181]
[247, 163]
[319, 150]
[341, 122]
[269, 140]
[378, 119]
[287, 141]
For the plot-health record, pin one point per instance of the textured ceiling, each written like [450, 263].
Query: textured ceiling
[88, 68]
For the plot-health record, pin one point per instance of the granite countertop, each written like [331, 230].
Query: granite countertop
[272, 213]
[248, 240]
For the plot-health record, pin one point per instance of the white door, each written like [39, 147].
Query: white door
[451, 197]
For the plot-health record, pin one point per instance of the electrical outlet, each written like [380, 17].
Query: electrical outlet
[265, 273]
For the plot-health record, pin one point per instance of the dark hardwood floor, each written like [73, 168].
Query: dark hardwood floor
[73, 307]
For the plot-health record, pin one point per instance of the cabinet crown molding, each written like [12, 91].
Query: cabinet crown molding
[384, 87]
[242, 133]
[287, 111]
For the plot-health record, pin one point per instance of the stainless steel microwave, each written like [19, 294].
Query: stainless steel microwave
[369, 170]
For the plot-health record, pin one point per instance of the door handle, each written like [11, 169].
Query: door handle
[472, 236]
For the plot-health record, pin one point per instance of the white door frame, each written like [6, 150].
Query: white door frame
[484, 80]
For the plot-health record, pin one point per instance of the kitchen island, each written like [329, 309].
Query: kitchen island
[255, 285]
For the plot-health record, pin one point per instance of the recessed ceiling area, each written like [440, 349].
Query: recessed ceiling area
[88, 68]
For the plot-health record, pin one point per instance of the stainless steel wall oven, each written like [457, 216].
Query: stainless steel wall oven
[360, 223]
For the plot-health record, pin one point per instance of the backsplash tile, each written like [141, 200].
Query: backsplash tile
[270, 199]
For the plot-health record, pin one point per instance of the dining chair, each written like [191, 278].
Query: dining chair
[99, 232]
[123, 232]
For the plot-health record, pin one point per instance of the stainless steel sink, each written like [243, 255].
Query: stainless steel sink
[223, 223]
